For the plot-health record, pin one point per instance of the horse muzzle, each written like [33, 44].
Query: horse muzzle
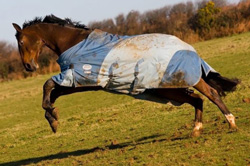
[31, 67]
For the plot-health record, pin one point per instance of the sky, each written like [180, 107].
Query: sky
[85, 11]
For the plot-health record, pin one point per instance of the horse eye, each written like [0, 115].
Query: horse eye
[21, 42]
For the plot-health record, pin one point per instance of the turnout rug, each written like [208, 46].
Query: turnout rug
[131, 64]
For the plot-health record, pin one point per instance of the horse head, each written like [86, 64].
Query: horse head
[30, 46]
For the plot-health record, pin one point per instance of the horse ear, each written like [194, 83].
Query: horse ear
[17, 27]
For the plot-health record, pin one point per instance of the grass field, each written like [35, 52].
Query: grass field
[100, 128]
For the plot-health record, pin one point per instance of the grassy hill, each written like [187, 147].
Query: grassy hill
[100, 128]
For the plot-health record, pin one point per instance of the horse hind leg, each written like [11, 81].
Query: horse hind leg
[213, 96]
[186, 96]
[197, 102]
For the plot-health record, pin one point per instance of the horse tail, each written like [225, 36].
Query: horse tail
[221, 84]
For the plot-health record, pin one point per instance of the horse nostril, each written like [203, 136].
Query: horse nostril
[27, 66]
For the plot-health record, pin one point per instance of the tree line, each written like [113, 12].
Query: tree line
[189, 21]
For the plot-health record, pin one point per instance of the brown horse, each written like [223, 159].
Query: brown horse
[61, 34]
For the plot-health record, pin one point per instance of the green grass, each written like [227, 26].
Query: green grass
[100, 128]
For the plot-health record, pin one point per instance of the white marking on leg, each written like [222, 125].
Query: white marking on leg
[198, 126]
[230, 118]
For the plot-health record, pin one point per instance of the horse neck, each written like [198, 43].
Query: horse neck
[60, 38]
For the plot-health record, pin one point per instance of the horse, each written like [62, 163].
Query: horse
[64, 37]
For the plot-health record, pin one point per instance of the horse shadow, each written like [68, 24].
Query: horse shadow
[61, 155]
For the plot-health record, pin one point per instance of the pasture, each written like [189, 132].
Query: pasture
[100, 128]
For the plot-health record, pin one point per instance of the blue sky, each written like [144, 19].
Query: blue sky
[85, 11]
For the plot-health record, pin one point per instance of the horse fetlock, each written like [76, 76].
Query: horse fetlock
[52, 121]
[47, 105]
[197, 129]
[54, 112]
[231, 121]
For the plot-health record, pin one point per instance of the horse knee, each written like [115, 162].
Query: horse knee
[48, 85]
[46, 105]
[47, 88]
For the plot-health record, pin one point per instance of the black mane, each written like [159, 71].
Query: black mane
[55, 20]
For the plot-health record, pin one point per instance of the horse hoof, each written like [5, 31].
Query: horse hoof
[196, 133]
[55, 114]
[52, 121]
[54, 125]
[233, 127]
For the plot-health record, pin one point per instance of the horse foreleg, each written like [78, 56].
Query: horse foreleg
[51, 91]
[213, 96]
[186, 96]
[51, 113]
